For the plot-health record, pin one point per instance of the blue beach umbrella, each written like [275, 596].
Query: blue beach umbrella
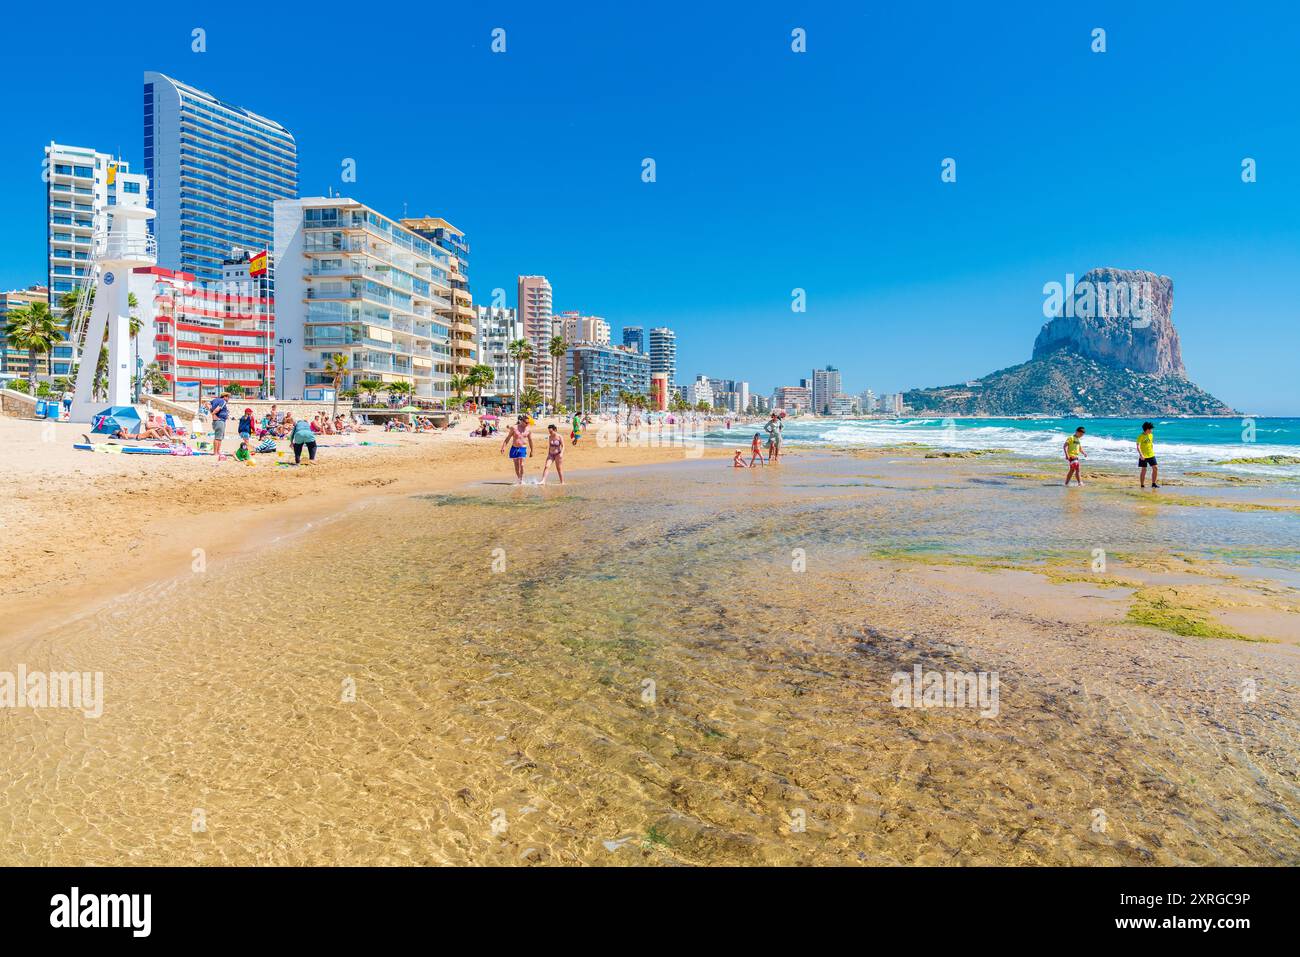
[116, 417]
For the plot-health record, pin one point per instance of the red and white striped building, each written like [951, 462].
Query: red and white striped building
[213, 335]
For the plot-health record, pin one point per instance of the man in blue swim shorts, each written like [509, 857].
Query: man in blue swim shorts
[519, 438]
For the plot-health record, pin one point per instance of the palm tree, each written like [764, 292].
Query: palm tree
[556, 349]
[458, 384]
[336, 367]
[34, 328]
[371, 387]
[400, 389]
[480, 377]
[531, 398]
[576, 382]
[521, 351]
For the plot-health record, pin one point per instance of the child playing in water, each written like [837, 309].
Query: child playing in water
[1073, 449]
[1146, 443]
[554, 453]
[736, 462]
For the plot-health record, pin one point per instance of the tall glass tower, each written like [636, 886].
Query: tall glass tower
[215, 171]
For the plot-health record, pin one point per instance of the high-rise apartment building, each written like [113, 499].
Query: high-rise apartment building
[795, 399]
[576, 327]
[868, 400]
[459, 310]
[663, 353]
[603, 371]
[82, 185]
[216, 171]
[825, 383]
[498, 326]
[535, 314]
[700, 391]
[634, 337]
[14, 362]
[730, 394]
[352, 281]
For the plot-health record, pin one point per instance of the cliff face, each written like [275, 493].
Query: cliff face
[1113, 351]
[1118, 317]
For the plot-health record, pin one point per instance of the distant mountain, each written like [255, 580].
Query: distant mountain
[1113, 351]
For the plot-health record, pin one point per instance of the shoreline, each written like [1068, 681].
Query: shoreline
[154, 544]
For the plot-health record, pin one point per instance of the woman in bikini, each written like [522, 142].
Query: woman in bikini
[554, 453]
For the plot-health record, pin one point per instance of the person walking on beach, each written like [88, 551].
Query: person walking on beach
[576, 433]
[1073, 449]
[519, 437]
[1146, 443]
[302, 435]
[219, 409]
[756, 451]
[773, 430]
[554, 453]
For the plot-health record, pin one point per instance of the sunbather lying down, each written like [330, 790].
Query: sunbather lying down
[148, 433]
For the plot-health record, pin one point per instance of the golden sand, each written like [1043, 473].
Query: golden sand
[397, 657]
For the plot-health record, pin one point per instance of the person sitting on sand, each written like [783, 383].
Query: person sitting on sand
[736, 462]
[756, 451]
[1146, 443]
[554, 453]
[1073, 449]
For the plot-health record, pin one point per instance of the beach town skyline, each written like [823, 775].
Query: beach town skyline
[892, 318]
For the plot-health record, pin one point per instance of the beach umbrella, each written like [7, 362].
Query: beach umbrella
[410, 408]
[116, 417]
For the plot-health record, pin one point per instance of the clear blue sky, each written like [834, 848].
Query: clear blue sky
[775, 170]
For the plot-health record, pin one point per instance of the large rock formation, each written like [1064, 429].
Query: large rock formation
[1113, 351]
[1119, 317]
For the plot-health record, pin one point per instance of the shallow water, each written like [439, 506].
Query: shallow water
[685, 664]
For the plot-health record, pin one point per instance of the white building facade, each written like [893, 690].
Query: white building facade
[352, 281]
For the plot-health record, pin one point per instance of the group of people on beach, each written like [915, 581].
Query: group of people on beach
[1146, 450]
[519, 442]
[773, 428]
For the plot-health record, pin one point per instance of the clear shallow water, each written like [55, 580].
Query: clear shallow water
[1180, 443]
[501, 716]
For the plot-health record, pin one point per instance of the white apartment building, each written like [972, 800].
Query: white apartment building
[498, 326]
[825, 384]
[350, 280]
[575, 327]
[699, 391]
[82, 185]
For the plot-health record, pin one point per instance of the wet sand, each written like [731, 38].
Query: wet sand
[682, 663]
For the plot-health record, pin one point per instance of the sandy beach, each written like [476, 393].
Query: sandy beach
[397, 657]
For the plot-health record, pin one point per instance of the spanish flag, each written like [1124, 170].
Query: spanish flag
[257, 266]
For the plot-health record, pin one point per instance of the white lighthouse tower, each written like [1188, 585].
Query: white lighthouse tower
[125, 245]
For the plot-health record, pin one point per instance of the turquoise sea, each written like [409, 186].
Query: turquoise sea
[1181, 443]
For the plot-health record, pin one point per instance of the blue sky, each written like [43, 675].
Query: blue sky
[775, 170]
